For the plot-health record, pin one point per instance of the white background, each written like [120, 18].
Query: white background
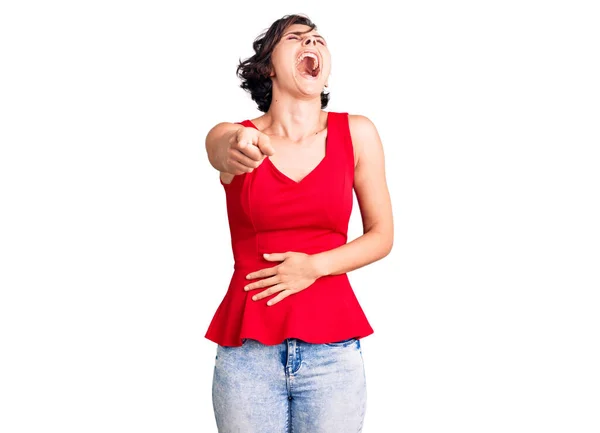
[115, 248]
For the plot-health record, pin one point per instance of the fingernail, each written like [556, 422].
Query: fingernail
[254, 298]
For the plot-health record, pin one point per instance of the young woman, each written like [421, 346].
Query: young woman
[289, 327]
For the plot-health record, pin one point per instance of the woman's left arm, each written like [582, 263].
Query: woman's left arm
[374, 201]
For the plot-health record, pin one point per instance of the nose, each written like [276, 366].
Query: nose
[309, 39]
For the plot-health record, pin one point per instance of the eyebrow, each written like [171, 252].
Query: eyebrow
[301, 33]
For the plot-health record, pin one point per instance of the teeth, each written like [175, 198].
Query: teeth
[311, 55]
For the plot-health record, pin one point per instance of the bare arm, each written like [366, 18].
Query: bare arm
[375, 206]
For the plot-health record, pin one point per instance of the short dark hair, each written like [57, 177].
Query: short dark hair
[255, 70]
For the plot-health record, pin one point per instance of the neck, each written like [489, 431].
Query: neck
[293, 118]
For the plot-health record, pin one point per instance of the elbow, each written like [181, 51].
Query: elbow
[388, 248]
[386, 242]
[382, 241]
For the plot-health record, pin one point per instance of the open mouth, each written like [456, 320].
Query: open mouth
[308, 65]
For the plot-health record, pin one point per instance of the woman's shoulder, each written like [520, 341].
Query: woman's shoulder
[361, 124]
[362, 131]
[258, 122]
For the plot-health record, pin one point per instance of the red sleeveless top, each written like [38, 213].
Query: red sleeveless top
[269, 212]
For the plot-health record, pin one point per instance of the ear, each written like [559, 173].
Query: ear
[271, 70]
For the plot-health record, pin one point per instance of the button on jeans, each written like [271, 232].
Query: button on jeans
[291, 387]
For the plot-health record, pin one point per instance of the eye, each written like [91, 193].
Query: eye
[292, 37]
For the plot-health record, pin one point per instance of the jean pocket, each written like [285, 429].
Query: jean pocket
[342, 343]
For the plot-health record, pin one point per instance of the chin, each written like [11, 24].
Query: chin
[307, 86]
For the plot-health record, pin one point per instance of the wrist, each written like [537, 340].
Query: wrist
[320, 265]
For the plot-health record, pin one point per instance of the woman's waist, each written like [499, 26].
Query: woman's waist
[239, 281]
[248, 253]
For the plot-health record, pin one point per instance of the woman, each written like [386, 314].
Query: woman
[289, 327]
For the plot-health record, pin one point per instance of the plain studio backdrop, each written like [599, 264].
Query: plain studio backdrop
[115, 247]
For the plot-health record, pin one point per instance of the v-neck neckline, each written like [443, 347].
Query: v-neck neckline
[310, 173]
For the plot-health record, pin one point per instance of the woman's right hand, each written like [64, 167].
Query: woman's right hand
[246, 150]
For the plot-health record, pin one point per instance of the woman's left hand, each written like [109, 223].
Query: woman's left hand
[296, 272]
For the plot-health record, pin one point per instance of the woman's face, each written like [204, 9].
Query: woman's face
[294, 68]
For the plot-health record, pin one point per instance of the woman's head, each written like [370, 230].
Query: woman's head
[275, 66]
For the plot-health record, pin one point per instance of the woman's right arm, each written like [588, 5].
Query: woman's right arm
[218, 141]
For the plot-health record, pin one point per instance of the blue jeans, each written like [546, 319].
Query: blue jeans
[293, 386]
